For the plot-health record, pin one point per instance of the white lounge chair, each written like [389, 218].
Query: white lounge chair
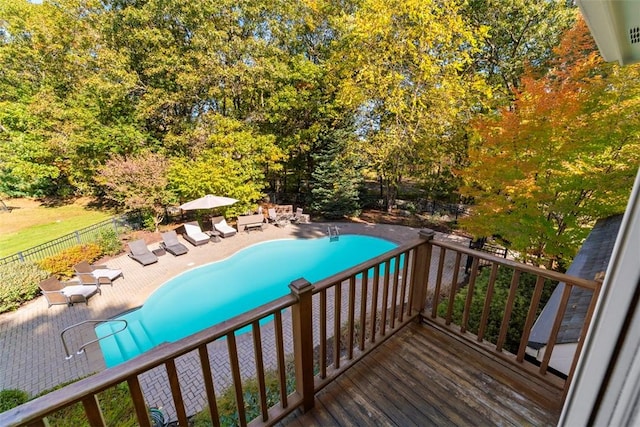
[273, 217]
[104, 274]
[67, 293]
[297, 216]
[221, 226]
[193, 234]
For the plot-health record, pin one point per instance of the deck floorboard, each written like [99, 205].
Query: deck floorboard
[423, 376]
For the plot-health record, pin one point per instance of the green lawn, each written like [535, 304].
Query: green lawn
[30, 224]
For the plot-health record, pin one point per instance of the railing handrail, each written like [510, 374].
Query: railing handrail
[345, 274]
[84, 322]
[527, 268]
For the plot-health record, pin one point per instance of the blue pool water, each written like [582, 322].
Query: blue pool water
[207, 295]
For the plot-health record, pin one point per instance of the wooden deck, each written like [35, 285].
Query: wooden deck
[423, 376]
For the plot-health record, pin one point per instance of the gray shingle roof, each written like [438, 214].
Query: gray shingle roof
[593, 257]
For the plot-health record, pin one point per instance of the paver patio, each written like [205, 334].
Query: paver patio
[32, 357]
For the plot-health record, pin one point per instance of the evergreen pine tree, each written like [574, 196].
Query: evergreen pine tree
[337, 177]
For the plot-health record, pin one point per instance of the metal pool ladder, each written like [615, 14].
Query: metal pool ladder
[334, 234]
[84, 322]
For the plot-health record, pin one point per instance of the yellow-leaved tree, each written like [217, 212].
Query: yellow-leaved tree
[561, 156]
[404, 67]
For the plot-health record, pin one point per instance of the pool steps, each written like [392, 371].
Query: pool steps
[124, 345]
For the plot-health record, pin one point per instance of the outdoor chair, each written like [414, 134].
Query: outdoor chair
[90, 279]
[273, 217]
[140, 252]
[171, 244]
[297, 216]
[193, 234]
[57, 292]
[220, 225]
[104, 274]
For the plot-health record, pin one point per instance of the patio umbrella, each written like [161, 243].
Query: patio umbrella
[208, 202]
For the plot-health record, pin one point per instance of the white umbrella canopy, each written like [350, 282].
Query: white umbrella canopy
[208, 202]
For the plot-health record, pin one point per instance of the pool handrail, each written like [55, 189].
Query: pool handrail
[80, 350]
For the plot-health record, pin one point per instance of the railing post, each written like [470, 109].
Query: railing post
[420, 273]
[301, 314]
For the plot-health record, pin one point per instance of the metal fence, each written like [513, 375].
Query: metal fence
[85, 235]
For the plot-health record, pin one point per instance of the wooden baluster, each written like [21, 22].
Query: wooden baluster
[237, 380]
[394, 292]
[487, 302]
[301, 314]
[282, 371]
[137, 398]
[351, 320]
[453, 288]
[583, 333]
[174, 384]
[467, 303]
[436, 291]
[374, 302]
[262, 386]
[531, 317]
[323, 333]
[337, 310]
[553, 336]
[93, 412]
[385, 298]
[504, 327]
[363, 309]
[208, 385]
[411, 268]
[403, 289]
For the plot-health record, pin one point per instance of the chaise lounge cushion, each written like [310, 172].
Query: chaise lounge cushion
[171, 244]
[56, 292]
[140, 252]
[221, 226]
[101, 272]
[193, 234]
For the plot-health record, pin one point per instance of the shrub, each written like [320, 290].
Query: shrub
[10, 398]
[226, 402]
[61, 264]
[18, 284]
[109, 242]
[502, 284]
[115, 403]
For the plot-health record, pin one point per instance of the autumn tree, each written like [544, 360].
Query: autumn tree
[563, 155]
[139, 183]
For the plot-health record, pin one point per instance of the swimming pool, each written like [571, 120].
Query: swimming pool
[207, 295]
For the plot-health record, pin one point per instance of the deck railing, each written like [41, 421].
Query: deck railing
[306, 338]
[441, 306]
